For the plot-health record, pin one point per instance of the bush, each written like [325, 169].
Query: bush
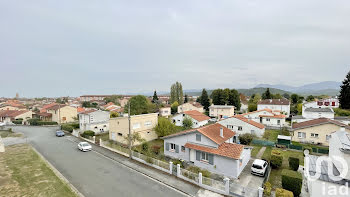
[267, 189]
[156, 149]
[187, 123]
[276, 158]
[164, 127]
[67, 127]
[88, 133]
[175, 162]
[145, 147]
[292, 181]
[293, 163]
[46, 123]
[75, 125]
[283, 193]
[34, 121]
[246, 138]
[17, 121]
[197, 170]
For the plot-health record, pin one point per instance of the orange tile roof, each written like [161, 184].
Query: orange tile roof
[244, 119]
[225, 149]
[11, 113]
[318, 121]
[80, 109]
[210, 131]
[197, 115]
[44, 108]
[273, 116]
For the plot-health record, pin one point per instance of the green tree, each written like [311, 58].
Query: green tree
[155, 97]
[204, 100]
[310, 98]
[114, 115]
[138, 105]
[187, 123]
[135, 137]
[176, 93]
[59, 100]
[277, 96]
[344, 97]
[86, 104]
[217, 96]
[267, 94]
[286, 95]
[164, 127]
[174, 107]
[113, 98]
[234, 99]
[186, 98]
[294, 98]
[300, 108]
[252, 107]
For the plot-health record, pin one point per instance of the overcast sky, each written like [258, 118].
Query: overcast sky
[75, 47]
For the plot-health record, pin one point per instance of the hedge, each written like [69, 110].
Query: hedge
[293, 163]
[17, 121]
[276, 159]
[246, 138]
[46, 123]
[292, 181]
[283, 193]
[267, 189]
[67, 127]
[88, 133]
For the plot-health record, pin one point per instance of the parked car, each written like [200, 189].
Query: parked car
[84, 146]
[59, 133]
[259, 167]
[213, 119]
[2, 124]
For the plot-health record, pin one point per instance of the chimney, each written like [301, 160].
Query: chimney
[221, 132]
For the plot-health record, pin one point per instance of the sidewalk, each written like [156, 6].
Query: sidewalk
[167, 179]
[261, 152]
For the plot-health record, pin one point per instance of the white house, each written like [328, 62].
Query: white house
[282, 105]
[323, 103]
[198, 119]
[267, 117]
[330, 177]
[94, 120]
[242, 125]
[314, 113]
[221, 111]
[165, 111]
[211, 147]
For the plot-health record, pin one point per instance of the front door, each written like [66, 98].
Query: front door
[192, 155]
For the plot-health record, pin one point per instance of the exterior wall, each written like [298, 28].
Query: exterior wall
[282, 108]
[321, 103]
[25, 116]
[244, 108]
[216, 111]
[66, 113]
[273, 121]
[321, 130]
[165, 111]
[123, 102]
[188, 107]
[234, 123]
[143, 124]
[178, 119]
[315, 115]
[99, 119]
[222, 165]
[99, 127]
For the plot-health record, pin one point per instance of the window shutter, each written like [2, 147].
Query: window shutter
[198, 155]
[167, 146]
[177, 148]
[211, 159]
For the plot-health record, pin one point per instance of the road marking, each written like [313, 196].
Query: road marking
[143, 174]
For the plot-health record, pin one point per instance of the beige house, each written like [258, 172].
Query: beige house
[165, 111]
[189, 107]
[317, 131]
[142, 124]
[221, 111]
[62, 113]
[123, 101]
[10, 107]
[7, 116]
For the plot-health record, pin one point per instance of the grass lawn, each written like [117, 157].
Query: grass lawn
[23, 173]
[271, 135]
[7, 133]
[275, 176]
[267, 153]
[103, 136]
[255, 150]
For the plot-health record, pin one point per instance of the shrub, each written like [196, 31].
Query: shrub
[145, 147]
[293, 163]
[267, 189]
[67, 127]
[292, 181]
[10, 130]
[246, 138]
[34, 121]
[17, 121]
[276, 158]
[187, 123]
[47, 123]
[88, 133]
[75, 125]
[197, 170]
[156, 149]
[175, 162]
[283, 193]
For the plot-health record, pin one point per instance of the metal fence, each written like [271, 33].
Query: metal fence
[263, 142]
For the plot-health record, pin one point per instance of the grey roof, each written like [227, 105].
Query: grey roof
[324, 171]
[344, 138]
[327, 110]
[298, 117]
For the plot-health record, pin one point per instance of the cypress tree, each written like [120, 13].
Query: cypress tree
[344, 97]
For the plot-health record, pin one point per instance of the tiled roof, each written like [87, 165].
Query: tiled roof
[210, 131]
[197, 115]
[274, 102]
[88, 111]
[11, 113]
[196, 104]
[268, 110]
[44, 114]
[318, 121]
[80, 109]
[244, 119]
[273, 116]
[56, 107]
[225, 149]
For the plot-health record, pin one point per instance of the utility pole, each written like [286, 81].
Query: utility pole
[59, 115]
[129, 118]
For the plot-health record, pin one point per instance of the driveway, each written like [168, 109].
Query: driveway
[90, 172]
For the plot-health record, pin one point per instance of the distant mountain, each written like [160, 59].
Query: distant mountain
[247, 92]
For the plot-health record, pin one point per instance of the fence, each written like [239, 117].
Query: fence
[320, 150]
[263, 142]
[295, 147]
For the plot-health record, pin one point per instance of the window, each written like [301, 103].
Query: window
[205, 156]
[104, 125]
[315, 135]
[301, 135]
[320, 103]
[183, 149]
[95, 127]
[328, 137]
[268, 119]
[120, 134]
[333, 103]
[326, 103]
[278, 122]
[136, 126]
[172, 146]
[240, 128]
[198, 137]
[148, 123]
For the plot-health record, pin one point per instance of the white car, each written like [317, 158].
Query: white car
[259, 167]
[2, 124]
[84, 146]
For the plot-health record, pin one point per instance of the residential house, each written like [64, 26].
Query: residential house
[322, 103]
[90, 98]
[94, 120]
[111, 107]
[123, 101]
[317, 131]
[221, 111]
[242, 125]
[198, 119]
[7, 116]
[142, 124]
[44, 108]
[282, 105]
[328, 176]
[43, 116]
[12, 105]
[165, 111]
[314, 113]
[211, 147]
[62, 113]
[244, 103]
[267, 117]
[190, 107]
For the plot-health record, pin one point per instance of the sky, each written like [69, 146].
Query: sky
[77, 47]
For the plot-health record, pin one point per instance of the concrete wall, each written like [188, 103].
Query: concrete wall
[234, 123]
[188, 107]
[268, 121]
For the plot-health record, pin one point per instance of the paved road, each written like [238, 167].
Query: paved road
[90, 172]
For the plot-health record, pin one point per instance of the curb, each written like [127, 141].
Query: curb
[58, 174]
